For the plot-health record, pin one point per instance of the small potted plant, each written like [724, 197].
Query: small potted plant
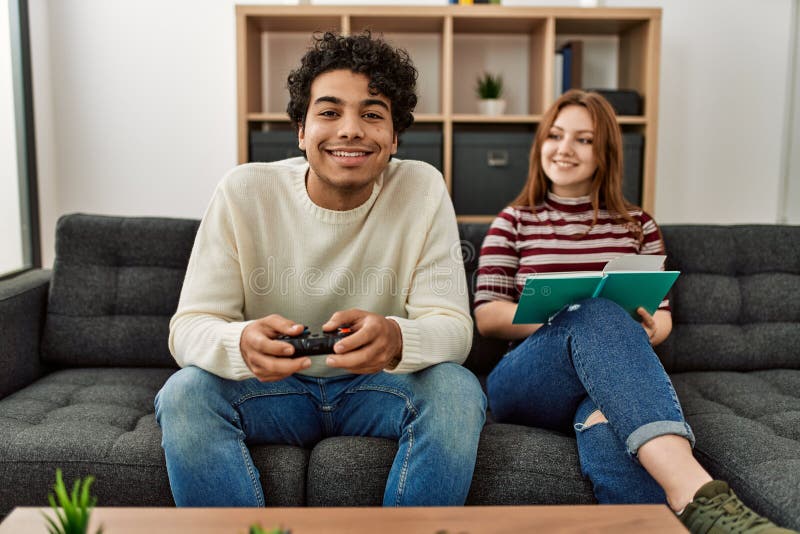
[489, 89]
[73, 510]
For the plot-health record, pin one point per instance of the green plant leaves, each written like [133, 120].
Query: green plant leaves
[72, 510]
[489, 86]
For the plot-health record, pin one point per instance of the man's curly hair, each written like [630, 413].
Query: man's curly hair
[390, 72]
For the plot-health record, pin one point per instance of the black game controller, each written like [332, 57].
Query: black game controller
[308, 344]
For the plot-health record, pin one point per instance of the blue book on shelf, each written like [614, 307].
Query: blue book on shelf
[566, 69]
[630, 281]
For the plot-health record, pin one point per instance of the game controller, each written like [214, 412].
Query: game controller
[308, 344]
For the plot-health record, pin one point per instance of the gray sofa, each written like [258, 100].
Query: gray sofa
[84, 350]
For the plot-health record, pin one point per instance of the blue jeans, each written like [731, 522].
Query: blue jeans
[436, 415]
[593, 356]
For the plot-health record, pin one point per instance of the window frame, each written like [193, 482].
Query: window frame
[22, 82]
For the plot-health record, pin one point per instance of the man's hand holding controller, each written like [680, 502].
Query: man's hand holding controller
[370, 344]
[375, 344]
[269, 359]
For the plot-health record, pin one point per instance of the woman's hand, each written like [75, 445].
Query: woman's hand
[657, 326]
[648, 323]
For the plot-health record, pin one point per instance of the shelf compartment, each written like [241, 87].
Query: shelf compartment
[614, 52]
[519, 52]
[496, 54]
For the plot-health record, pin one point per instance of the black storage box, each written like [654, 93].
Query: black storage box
[624, 101]
[632, 148]
[489, 170]
[422, 146]
[273, 145]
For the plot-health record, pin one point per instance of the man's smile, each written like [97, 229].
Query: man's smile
[349, 155]
[342, 153]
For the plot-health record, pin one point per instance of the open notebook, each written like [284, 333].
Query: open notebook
[631, 281]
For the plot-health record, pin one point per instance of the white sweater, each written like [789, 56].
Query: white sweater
[264, 247]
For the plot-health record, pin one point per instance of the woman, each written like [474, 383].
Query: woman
[592, 366]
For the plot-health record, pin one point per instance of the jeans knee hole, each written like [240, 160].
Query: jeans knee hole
[594, 418]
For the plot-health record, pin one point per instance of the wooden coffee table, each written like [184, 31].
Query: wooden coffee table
[652, 519]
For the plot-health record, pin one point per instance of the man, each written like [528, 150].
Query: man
[345, 237]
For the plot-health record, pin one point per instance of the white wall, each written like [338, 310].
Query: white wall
[722, 105]
[142, 106]
[138, 106]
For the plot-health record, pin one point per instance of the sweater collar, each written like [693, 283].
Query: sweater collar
[332, 216]
[568, 204]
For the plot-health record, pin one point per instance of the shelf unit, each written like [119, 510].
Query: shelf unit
[447, 44]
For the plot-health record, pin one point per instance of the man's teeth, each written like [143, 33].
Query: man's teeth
[341, 153]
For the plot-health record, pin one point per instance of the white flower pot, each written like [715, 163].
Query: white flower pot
[492, 106]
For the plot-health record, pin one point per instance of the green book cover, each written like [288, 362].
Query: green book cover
[631, 289]
[544, 295]
[641, 283]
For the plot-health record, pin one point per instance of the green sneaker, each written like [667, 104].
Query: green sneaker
[717, 510]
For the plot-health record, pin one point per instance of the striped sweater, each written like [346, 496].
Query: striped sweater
[556, 236]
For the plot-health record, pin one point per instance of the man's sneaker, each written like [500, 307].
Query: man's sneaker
[717, 510]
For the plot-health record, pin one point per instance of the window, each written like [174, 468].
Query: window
[19, 232]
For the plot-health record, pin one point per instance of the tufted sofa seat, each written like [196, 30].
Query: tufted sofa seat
[84, 351]
[101, 421]
[747, 426]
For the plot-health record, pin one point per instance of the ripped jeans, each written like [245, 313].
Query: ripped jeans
[593, 356]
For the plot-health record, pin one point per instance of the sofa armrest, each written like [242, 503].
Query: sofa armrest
[23, 303]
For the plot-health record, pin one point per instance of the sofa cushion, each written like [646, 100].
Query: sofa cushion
[515, 465]
[116, 283]
[735, 302]
[748, 433]
[349, 471]
[101, 421]
[523, 465]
